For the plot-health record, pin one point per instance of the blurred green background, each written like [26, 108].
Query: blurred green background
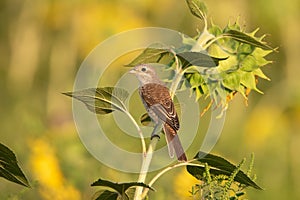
[42, 44]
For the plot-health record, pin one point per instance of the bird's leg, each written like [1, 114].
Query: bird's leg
[156, 130]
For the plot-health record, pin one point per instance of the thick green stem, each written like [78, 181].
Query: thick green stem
[139, 132]
[175, 83]
[203, 39]
[145, 167]
[166, 170]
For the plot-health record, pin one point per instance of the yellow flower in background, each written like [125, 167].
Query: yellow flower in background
[183, 183]
[45, 168]
[264, 122]
[94, 22]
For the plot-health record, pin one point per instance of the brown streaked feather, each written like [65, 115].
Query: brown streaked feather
[160, 107]
[156, 97]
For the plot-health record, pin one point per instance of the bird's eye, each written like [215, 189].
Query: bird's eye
[144, 69]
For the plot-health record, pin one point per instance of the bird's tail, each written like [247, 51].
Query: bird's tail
[174, 144]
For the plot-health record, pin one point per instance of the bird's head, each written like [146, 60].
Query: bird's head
[145, 74]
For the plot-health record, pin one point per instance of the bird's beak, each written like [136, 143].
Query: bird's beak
[132, 71]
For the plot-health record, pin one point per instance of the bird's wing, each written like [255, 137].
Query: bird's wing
[157, 98]
[163, 114]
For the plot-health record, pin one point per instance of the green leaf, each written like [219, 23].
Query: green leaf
[245, 38]
[219, 166]
[198, 59]
[156, 53]
[215, 30]
[101, 100]
[259, 55]
[120, 187]
[235, 26]
[261, 52]
[197, 8]
[106, 195]
[196, 80]
[245, 49]
[9, 168]
[248, 80]
[258, 72]
[231, 81]
[249, 64]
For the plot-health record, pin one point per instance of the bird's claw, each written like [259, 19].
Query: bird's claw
[155, 135]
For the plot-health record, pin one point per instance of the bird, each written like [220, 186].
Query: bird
[160, 107]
